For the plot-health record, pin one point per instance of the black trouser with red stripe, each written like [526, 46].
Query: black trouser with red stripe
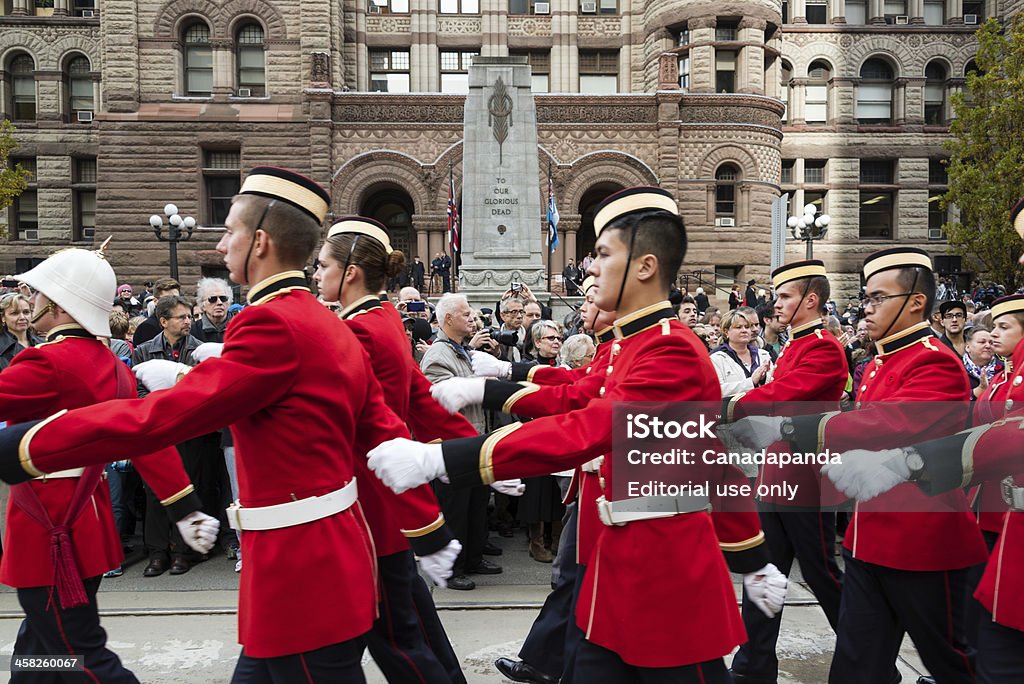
[49, 630]
[810, 537]
[882, 604]
[407, 641]
[597, 665]
[328, 665]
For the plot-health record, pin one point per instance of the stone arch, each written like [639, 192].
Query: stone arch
[354, 181]
[21, 41]
[732, 154]
[64, 49]
[897, 55]
[169, 19]
[943, 60]
[828, 52]
[262, 12]
[603, 166]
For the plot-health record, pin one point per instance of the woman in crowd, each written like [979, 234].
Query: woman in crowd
[541, 507]
[740, 365]
[578, 351]
[15, 333]
[980, 359]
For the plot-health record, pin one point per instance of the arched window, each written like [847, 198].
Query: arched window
[22, 87]
[819, 73]
[726, 178]
[78, 84]
[251, 61]
[198, 60]
[874, 94]
[935, 93]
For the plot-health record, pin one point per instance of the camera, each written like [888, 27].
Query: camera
[508, 338]
[517, 287]
[416, 307]
[9, 282]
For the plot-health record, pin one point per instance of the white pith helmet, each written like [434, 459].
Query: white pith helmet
[79, 281]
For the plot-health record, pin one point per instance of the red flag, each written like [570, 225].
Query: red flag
[453, 215]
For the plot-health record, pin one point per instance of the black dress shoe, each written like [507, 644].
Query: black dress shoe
[156, 567]
[484, 567]
[461, 583]
[518, 671]
[492, 550]
[738, 678]
[179, 566]
[925, 679]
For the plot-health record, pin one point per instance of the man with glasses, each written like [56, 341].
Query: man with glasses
[164, 545]
[214, 295]
[150, 327]
[906, 557]
[954, 319]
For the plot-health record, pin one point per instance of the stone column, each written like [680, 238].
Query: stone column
[838, 11]
[422, 241]
[797, 12]
[702, 58]
[913, 100]
[60, 8]
[710, 203]
[954, 11]
[876, 11]
[48, 101]
[223, 71]
[916, 10]
[899, 104]
[20, 7]
[798, 101]
[751, 78]
[743, 204]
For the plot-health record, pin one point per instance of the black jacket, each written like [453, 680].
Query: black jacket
[9, 346]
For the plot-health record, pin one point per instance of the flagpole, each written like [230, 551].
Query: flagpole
[454, 228]
[547, 210]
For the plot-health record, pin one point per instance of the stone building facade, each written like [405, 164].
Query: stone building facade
[126, 105]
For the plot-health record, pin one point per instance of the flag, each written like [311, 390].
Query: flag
[453, 215]
[552, 217]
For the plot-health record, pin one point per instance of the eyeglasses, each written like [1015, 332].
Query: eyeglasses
[878, 300]
[516, 314]
[218, 298]
[954, 316]
[552, 338]
[182, 317]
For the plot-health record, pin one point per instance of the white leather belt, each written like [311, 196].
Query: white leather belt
[73, 472]
[593, 465]
[648, 508]
[1013, 494]
[292, 513]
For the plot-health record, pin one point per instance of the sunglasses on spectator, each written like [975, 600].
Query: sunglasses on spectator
[218, 298]
[552, 338]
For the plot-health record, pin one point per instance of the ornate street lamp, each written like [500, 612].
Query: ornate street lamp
[174, 232]
[809, 228]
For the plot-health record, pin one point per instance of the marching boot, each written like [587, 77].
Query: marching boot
[537, 550]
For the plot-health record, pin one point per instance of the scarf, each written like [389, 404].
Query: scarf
[975, 371]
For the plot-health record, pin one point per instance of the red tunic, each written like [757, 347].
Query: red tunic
[406, 392]
[299, 394]
[912, 366]
[811, 368]
[67, 373]
[991, 406]
[652, 573]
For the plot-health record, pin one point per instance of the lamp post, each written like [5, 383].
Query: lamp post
[174, 232]
[809, 228]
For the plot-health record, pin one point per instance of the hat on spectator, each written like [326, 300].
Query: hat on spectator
[631, 201]
[948, 306]
[290, 187]
[124, 287]
[1007, 305]
[798, 270]
[361, 225]
[896, 257]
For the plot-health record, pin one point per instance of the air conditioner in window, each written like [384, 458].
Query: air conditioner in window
[373, 9]
[725, 222]
[30, 235]
[971, 19]
[902, 19]
[88, 13]
[84, 116]
[935, 234]
[244, 92]
[88, 233]
[542, 8]
[588, 7]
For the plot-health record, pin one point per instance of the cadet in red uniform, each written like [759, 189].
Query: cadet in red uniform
[811, 368]
[299, 394]
[407, 641]
[906, 566]
[649, 570]
[60, 528]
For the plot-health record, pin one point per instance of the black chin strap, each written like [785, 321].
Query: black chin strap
[910, 293]
[629, 260]
[803, 296]
[252, 242]
[348, 261]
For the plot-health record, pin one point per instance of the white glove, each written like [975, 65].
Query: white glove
[755, 432]
[486, 366]
[199, 531]
[159, 374]
[438, 565]
[403, 464]
[207, 350]
[509, 487]
[456, 394]
[767, 589]
[863, 475]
